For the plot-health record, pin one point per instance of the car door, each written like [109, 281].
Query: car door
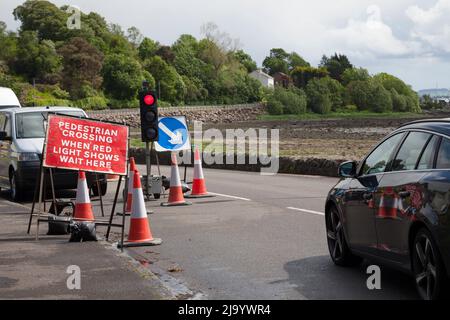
[5, 146]
[399, 192]
[358, 215]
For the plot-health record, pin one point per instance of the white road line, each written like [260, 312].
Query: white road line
[305, 210]
[228, 196]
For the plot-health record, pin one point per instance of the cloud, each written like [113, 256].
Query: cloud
[432, 27]
[371, 37]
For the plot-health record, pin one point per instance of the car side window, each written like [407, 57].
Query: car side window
[410, 151]
[427, 158]
[377, 161]
[443, 159]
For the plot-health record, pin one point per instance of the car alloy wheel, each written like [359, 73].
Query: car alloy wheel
[427, 266]
[335, 235]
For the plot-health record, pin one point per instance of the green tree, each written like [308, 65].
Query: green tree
[355, 74]
[36, 59]
[8, 45]
[147, 49]
[399, 102]
[82, 65]
[277, 61]
[246, 60]
[168, 82]
[302, 75]
[319, 96]
[295, 60]
[336, 65]
[390, 82]
[337, 92]
[122, 76]
[43, 17]
[369, 95]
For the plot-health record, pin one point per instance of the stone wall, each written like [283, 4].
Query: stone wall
[319, 167]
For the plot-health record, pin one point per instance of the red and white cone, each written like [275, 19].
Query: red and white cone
[83, 207]
[176, 197]
[140, 233]
[130, 186]
[129, 199]
[198, 182]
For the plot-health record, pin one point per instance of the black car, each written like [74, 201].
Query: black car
[394, 206]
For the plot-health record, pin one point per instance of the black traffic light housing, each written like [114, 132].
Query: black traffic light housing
[149, 114]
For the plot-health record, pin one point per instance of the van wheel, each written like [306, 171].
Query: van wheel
[14, 187]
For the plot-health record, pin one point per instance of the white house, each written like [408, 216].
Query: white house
[265, 79]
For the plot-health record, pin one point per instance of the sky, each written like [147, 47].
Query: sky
[408, 38]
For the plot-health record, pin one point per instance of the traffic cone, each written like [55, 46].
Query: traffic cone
[129, 202]
[83, 208]
[130, 186]
[139, 234]
[176, 197]
[198, 182]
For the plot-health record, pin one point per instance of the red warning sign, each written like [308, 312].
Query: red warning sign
[88, 145]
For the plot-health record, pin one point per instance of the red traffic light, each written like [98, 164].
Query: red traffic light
[149, 99]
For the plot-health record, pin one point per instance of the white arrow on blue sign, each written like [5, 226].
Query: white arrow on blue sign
[173, 134]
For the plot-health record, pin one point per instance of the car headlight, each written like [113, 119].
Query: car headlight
[28, 156]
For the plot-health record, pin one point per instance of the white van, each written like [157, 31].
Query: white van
[8, 99]
[21, 143]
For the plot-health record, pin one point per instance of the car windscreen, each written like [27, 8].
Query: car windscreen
[30, 125]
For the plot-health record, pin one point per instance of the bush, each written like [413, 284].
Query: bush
[91, 103]
[319, 96]
[348, 108]
[123, 104]
[274, 107]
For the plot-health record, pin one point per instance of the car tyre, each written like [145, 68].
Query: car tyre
[16, 191]
[429, 271]
[337, 244]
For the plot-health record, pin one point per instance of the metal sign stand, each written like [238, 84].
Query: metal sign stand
[39, 198]
[149, 148]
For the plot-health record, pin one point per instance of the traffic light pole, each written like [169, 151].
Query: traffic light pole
[148, 162]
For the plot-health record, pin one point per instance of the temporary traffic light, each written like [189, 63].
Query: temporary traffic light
[149, 115]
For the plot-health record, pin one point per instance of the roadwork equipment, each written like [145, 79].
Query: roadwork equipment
[83, 207]
[176, 197]
[198, 183]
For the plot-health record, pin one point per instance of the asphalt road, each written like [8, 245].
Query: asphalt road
[260, 237]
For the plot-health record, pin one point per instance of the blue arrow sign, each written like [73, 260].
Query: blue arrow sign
[173, 134]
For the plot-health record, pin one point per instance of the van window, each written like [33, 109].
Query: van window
[443, 159]
[30, 125]
[410, 151]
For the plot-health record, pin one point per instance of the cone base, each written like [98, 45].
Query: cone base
[128, 244]
[197, 196]
[176, 204]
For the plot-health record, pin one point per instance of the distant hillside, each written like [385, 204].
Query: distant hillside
[435, 92]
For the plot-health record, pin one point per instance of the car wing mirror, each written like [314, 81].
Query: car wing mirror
[347, 169]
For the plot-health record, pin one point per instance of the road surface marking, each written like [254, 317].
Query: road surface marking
[307, 211]
[228, 196]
